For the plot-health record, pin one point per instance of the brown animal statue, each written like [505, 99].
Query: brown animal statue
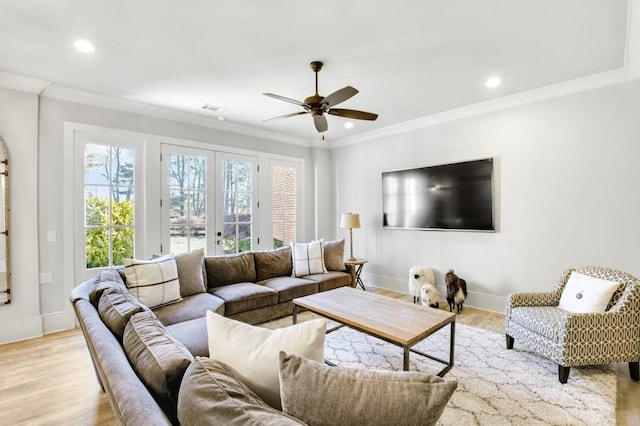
[456, 291]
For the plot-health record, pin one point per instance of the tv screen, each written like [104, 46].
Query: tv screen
[455, 196]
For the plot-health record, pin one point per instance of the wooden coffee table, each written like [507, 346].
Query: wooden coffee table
[398, 322]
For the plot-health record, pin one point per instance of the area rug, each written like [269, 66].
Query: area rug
[496, 386]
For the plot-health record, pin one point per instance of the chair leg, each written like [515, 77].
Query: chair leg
[563, 373]
[634, 370]
[509, 341]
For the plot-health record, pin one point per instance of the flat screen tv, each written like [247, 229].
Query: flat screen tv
[456, 196]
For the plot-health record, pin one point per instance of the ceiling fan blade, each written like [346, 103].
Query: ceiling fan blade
[293, 114]
[352, 113]
[282, 98]
[321, 123]
[338, 96]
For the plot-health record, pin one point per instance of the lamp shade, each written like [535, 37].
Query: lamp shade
[350, 220]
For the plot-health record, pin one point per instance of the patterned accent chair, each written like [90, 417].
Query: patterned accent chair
[574, 340]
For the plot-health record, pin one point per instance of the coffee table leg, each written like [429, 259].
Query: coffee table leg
[295, 313]
[405, 365]
[452, 344]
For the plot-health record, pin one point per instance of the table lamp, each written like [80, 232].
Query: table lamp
[350, 220]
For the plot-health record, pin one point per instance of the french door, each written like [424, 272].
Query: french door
[208, 200]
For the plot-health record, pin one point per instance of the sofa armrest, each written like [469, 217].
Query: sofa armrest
[516, 300]
[351, 270]
[596, 328]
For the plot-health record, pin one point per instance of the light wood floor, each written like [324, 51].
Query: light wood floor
[50, 380]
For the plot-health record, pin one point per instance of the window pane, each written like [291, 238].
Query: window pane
[96, 207]
[290, 208]
[97, 252]
[96, 164]
[122, 166]
[179, 206]
[122, 244]
[198, 205]
[122, 211]
[178, 171]
[197, 172]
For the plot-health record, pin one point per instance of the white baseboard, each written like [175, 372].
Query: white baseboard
[22, 329]
[57, 321]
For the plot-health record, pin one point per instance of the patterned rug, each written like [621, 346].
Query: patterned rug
[496, 386]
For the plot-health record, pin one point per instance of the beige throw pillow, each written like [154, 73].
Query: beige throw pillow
[251, 352]
[321, 395]
[154, 282]
[334, 255]
[190, 272]
[308, 258]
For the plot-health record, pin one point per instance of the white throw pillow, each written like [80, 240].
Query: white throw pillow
[308, 258]
[585, 294]
[154, 282]
[252, 353]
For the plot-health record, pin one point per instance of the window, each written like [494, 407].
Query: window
[188, 202]
[237, 198]
[109, 204]
[283, 205]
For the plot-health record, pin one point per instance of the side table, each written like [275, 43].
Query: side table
[359, 264]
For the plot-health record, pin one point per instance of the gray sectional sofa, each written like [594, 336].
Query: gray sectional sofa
[141, 354]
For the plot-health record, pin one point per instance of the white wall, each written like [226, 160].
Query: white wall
[19, 128]
[567, 194]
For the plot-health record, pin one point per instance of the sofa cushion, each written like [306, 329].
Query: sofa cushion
[252, 352]
[107, 279]
[334, 255]
[242, 297]
[308, 258]
[115, 307]
[289, 287]
[191, 272]
[330, 280]
[211, 395]
[353, 396]
[190, 307]
[230, 269]
[154, 282]
[273, 263]
[158, 358]
[192, 334]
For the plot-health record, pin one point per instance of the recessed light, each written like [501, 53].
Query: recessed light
[221, 118]
[493, 82]
[348, 125]
[84, 46]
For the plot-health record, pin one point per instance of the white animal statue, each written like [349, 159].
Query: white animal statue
[429, 296]
[419, 276]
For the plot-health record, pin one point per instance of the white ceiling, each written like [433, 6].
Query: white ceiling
[409, 59]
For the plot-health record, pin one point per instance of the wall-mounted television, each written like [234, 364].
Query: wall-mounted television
[457, 196]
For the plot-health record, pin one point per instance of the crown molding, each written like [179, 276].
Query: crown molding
[22, 83]
[70, 94]
[609, 78]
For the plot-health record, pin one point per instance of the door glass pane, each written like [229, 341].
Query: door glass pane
[109, 207]
[237, 199]
[188, 202]
[283, 206]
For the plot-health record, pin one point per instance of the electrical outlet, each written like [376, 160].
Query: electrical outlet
[51, 236]
[45, 278]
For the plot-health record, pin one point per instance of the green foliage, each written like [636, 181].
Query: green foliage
[277, 243]
[97, 237]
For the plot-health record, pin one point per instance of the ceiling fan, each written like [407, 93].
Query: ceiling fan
[317, 105]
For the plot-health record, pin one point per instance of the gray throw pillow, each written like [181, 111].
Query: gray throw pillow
[273, 263]
[334, 255]
[321, 395]
[116, 306]
[159, 359]
[230, 269]
[211, 395]
[191, 272]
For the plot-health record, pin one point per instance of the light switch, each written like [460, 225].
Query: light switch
[51, 236]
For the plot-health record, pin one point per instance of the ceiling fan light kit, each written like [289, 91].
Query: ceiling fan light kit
[317, 105]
